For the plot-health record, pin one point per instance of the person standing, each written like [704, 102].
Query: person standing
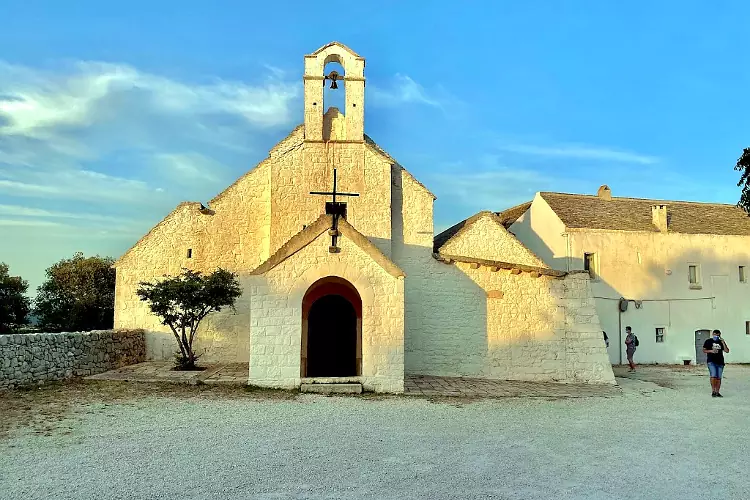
[715, 347]
[631, 342]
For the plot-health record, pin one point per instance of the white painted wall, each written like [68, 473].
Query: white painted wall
[653, 267]
[276, 315]
[542, 231]
[539, 328]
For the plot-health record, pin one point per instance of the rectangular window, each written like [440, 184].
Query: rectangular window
[591, 264]
[743, 276]
[190, 253]
[660, 335]
[694, 275]
[747, 327]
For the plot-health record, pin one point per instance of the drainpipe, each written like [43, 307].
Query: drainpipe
[567, 251]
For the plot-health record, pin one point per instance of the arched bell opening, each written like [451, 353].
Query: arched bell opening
[334, 89]
[331, 329]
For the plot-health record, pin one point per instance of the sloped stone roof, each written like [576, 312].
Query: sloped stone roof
[292, 140]
[454, 231]
[511, 215]
[320, 226]
[194, 205]
[634, 214]
[442, 238]
[376, 147]
[332, 44]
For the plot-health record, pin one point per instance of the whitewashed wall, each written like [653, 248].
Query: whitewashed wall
[652, 267]
[276, 315]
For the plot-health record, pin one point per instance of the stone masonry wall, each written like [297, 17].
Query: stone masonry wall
[470, 322]
[40, 357]
[276, 315]
[486, 239]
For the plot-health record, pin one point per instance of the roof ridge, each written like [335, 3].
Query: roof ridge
[513, 207]
[637, 199]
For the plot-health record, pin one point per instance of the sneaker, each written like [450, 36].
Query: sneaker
[713, 394]
[718, 395]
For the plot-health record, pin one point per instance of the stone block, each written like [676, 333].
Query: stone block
[332, 388]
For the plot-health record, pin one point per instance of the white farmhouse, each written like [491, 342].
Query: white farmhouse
[671, 270]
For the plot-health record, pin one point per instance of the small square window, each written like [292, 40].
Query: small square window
[190, 253]
[659, 335]
[591, 264]
[743, 274]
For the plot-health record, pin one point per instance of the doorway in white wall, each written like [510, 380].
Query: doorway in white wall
[700, 337]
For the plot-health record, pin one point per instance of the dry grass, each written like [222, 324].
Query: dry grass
[44, 409]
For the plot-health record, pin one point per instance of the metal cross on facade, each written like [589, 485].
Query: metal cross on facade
[336, 209]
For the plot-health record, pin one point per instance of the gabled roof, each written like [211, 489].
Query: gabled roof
[634, 214]
[288, 143]
[311, 233]
[456, 230]
[196, 205]
[509, 216]
[332, 44]
[375, 147]
[442, 241]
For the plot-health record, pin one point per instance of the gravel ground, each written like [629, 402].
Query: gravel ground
[653, 441]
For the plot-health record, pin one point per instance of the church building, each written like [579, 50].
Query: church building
[343, 279]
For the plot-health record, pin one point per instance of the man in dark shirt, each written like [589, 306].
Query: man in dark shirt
[715, 347]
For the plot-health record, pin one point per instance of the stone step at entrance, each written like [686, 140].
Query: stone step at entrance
[331, 385]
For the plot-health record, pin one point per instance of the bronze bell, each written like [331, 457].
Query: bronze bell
[333, 76]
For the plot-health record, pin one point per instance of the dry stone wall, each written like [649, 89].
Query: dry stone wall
[40, 357]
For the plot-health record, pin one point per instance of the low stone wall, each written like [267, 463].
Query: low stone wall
[38, 357]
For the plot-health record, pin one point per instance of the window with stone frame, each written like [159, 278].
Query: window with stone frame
[660, 334]
[694, 275]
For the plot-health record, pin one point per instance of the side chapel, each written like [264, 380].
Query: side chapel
[354, 286]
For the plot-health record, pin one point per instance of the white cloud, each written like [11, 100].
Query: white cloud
[580, 152]
[23, 211]
[190, 166]
[404, 90]
[488, 189]
[29, 223]
[33, 103]
[77, 185]
[112, 135]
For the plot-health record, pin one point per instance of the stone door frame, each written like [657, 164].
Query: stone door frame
[330, 285]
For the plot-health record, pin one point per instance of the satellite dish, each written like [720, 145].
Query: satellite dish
[623, 304]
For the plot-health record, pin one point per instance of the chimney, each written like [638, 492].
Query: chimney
[604, 193]
[659, 217]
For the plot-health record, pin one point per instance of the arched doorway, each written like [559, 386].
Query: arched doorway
[331, 329]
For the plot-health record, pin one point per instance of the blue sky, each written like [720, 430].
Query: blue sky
[113, 112]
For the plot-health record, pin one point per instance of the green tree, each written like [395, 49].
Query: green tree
[743, 165]
[14, 305]
[181, 302]
[78, 295]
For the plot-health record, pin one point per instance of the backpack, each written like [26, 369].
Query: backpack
[636, 341]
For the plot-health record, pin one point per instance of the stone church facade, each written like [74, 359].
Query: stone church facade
[361, 290]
